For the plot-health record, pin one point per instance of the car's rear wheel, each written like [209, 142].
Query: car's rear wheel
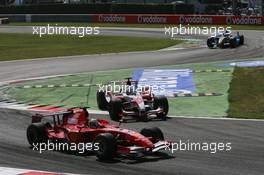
[107, 146]
[37, 133]
[102, 102]
[115, 109]
[155, 133]
[161, 102]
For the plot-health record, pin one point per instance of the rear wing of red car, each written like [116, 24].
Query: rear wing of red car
[38, 117]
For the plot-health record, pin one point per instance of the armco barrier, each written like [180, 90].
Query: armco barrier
[61, 18]
[99, 8]
[137, 19]
[48, 17]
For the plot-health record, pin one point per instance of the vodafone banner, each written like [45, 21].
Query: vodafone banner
[176, 19]
[245, 20]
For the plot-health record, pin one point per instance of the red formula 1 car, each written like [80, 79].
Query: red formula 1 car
[130, 103]
[73, 126]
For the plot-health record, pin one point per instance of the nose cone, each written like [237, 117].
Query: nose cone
[145, 142]
[138, 139]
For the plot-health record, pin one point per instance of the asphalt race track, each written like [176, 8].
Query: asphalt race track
[246, 156]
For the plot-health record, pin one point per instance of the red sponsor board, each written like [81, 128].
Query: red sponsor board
[177, 19]
[223, 20]
[135, 19]
[113, 18]
[245, 20]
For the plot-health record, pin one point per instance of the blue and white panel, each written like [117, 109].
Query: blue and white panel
[168, 81]
[246, 64]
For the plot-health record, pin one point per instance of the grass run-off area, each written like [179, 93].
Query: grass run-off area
[28, 46]
[234, 27]
[214, 106]
[246, 94]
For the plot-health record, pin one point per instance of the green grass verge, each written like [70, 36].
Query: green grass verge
[234, 27]
[28, 46]
[182, 106]
[246, 94]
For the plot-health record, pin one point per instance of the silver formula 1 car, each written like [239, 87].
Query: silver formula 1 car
[225, 40]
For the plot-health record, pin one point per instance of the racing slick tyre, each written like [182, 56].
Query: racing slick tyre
[242, 39]
[102, 103]
[210, 43]
[155, 133]
[36, 133]
[233, 43]
[161, 102]
[115, 109]
[107, 146]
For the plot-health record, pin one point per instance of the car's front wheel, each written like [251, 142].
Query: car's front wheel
[106, 146]
[161, 102]
[155, 133]
[102, 102]
[115, 109]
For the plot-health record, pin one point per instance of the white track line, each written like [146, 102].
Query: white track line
[218, 118]
[17, 171]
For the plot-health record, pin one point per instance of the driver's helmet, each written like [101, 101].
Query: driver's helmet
[226, 33]
[130, 90]
[94, 123]
[80, 117]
